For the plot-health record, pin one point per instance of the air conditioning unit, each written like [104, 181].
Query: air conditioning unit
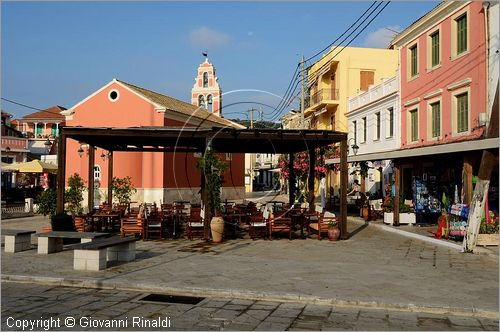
[483, 119]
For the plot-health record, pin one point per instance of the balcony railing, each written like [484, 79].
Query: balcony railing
[323, 94]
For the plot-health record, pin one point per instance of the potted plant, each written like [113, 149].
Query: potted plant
[46, 205]
[406, 215]
[123, 189]
[74, 198]
[333, 230]
[213, 168]
[488, 230]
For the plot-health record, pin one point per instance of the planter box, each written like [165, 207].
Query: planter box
[404, 218]
[487, 239]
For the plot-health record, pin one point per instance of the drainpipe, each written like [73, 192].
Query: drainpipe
[486, 8]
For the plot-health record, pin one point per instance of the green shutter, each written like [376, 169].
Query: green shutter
[462, 113]
[377, 115]
[461, 34]
[435, 49]
[436, 119]
[414, 125]
[391, 122]
[414, 61]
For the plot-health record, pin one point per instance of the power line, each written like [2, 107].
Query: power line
[20, 104]
[332, 43]
[353, 38]
[353, 31]
[287, 91]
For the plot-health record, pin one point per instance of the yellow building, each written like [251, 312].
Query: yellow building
[339, 75]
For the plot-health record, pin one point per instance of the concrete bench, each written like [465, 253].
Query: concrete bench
[17, 240]
[93, 256]
[50, 242]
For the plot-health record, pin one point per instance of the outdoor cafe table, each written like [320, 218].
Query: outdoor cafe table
[109, 219]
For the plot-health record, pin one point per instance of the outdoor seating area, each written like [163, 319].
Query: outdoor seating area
[149, 221]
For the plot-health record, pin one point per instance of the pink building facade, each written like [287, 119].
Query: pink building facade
[443, 75]
[206, 92]
[158, 177]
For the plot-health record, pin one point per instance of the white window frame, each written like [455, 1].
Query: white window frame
[430, 119]
[97, 172]
[377, 128]
[454, 42]
[388, 122]
[364, 130]
[454, 120]
[408, 60]
[409, 124]
[430, 67]
[229, 156]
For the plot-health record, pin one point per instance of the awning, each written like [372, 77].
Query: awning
[35, 166]
[483, 144]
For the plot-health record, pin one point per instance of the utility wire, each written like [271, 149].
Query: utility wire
[352, 39]
[332, 43]
[23, 105]
[352, 32]
[287, 91]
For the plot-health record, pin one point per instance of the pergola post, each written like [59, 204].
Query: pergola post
[90, 184]
[205, 203]
[343, 188]
[310, 180]
[291, 180]
[61, 172]
[396, 195]
[110, 178]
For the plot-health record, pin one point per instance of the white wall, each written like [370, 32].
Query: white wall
[378, 98]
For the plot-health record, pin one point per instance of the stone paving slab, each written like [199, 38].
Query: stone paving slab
[373, 269]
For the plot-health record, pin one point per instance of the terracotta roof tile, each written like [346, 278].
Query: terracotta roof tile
[46, 114]
[180, 106]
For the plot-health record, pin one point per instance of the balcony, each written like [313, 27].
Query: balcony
[321, 98]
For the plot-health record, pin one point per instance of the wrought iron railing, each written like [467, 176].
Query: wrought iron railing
[323, 94]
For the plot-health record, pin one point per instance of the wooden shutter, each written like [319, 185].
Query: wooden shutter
[366, 79]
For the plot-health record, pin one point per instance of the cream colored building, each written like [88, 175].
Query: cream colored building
[341, 74]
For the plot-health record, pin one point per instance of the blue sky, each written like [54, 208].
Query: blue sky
[57, 53]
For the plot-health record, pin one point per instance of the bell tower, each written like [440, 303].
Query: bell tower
[206, 92]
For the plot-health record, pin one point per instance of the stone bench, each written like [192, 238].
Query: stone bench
[17, 240]
[93, 256]
[50, 242]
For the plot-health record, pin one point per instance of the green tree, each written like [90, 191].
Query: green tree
[123, 189]
[74, 195]
[46, 201]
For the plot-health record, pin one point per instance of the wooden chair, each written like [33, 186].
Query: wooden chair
[377, 210]
[257, 226]
[321, 225]
[280, 224]
[153, 226]
[133, 224]
[194, 224]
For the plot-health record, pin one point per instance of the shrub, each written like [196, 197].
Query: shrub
[74, 195]
[47, 202]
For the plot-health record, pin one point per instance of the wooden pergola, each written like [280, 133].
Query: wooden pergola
[175, 139]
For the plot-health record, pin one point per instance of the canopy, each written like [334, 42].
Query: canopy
[34, 166]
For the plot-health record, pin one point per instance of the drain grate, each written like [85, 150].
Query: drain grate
[172, 299]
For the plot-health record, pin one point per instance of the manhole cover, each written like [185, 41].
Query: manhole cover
[172, 299]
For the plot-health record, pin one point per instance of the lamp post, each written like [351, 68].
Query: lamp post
[354, 147]
[48, 145]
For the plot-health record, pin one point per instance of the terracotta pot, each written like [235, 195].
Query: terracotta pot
[333, 233]
[365, 213]
[217, 228]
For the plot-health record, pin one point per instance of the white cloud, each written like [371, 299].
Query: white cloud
[207, 38]
[381, 37]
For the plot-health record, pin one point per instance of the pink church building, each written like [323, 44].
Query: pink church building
[157, 176]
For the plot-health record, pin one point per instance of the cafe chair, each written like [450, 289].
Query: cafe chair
[154, 226]
[133, 224]
[320, 225]
[280, 224]
[257, 226]
[194, 224]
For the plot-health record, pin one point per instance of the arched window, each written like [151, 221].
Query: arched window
[201, 101]
[209, 103]
[97, 172]
[205, 80]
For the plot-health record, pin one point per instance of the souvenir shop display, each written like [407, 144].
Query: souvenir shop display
[425, 195]
[457, 220]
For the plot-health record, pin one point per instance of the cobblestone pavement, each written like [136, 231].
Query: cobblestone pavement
[88, 309]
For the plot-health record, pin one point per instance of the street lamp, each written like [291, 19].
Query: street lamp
[47, 144]
[354, 147]
[80, 151]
